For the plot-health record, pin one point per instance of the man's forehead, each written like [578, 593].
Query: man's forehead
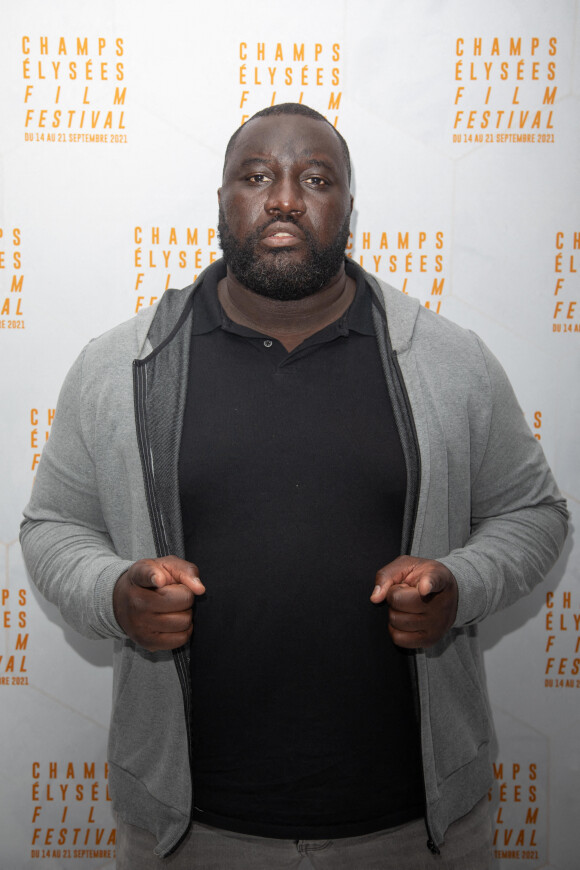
[278, 135]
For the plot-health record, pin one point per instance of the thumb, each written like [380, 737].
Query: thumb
[434, 579]
[428, 585]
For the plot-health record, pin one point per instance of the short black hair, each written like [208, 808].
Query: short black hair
[291, 109]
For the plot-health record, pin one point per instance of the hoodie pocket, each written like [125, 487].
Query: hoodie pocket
[460, 714]
[148, 735]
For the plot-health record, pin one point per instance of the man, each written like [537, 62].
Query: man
[303, 439]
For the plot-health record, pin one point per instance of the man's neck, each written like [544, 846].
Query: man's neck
[289, 322]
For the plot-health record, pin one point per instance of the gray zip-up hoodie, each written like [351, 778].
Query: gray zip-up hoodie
[480, 498]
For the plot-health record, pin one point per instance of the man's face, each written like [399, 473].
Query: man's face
[285, 206]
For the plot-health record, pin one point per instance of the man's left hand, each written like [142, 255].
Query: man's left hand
[422, 599]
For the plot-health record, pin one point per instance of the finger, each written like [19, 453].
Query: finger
[162, 572]
[167, 623]
[406, 599]
[407, 639]
[158, 641]
[430, 578]
[176, 570]
[408, 622]
[388, 576]
[409, 630]
[434, 582]
[171, 599]
[145, 573]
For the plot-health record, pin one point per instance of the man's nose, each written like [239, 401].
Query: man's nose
[285, 196]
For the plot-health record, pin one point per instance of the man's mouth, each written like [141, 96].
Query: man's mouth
[282, 236]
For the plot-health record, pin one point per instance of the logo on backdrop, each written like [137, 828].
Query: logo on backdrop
[536, 425]
[562, 624]
[71, 811]
[73, 89]
[566, 315]
[520, 818]
[505, 89]
[11, 279]
[170, 257]
[411, 261]
[166, 257]
[290, 72]
[13, 604]
[40, 423]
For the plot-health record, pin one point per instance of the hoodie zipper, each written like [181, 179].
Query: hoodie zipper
[431, 844]
[180, 655]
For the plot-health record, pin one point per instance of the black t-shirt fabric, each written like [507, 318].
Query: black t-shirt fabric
[292, 482]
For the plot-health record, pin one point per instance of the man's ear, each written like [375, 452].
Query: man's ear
[351, 202]
[220, 195]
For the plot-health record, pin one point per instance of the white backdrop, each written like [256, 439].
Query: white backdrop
[463, 121]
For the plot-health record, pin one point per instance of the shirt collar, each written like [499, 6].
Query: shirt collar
[208, 313]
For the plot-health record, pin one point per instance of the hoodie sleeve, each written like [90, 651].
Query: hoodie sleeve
[67, 549]
[518, 516]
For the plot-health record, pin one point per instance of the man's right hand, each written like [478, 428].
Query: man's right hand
[153, 602]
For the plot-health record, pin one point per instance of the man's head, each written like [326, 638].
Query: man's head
[291, 109]
[285, 202]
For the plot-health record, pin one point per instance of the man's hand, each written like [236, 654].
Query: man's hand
[153, 602]
[422, 599]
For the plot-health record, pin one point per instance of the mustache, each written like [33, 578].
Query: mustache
[286, 219]
[254, 236]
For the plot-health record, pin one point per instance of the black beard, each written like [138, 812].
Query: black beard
[276, 274]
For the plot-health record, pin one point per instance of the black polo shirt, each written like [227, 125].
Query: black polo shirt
[293, 483]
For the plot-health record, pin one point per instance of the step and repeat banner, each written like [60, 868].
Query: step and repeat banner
[463, 119]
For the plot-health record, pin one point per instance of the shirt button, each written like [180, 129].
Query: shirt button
[267, 343]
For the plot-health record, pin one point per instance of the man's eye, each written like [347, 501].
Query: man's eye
[316, 181]
[257, 178]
